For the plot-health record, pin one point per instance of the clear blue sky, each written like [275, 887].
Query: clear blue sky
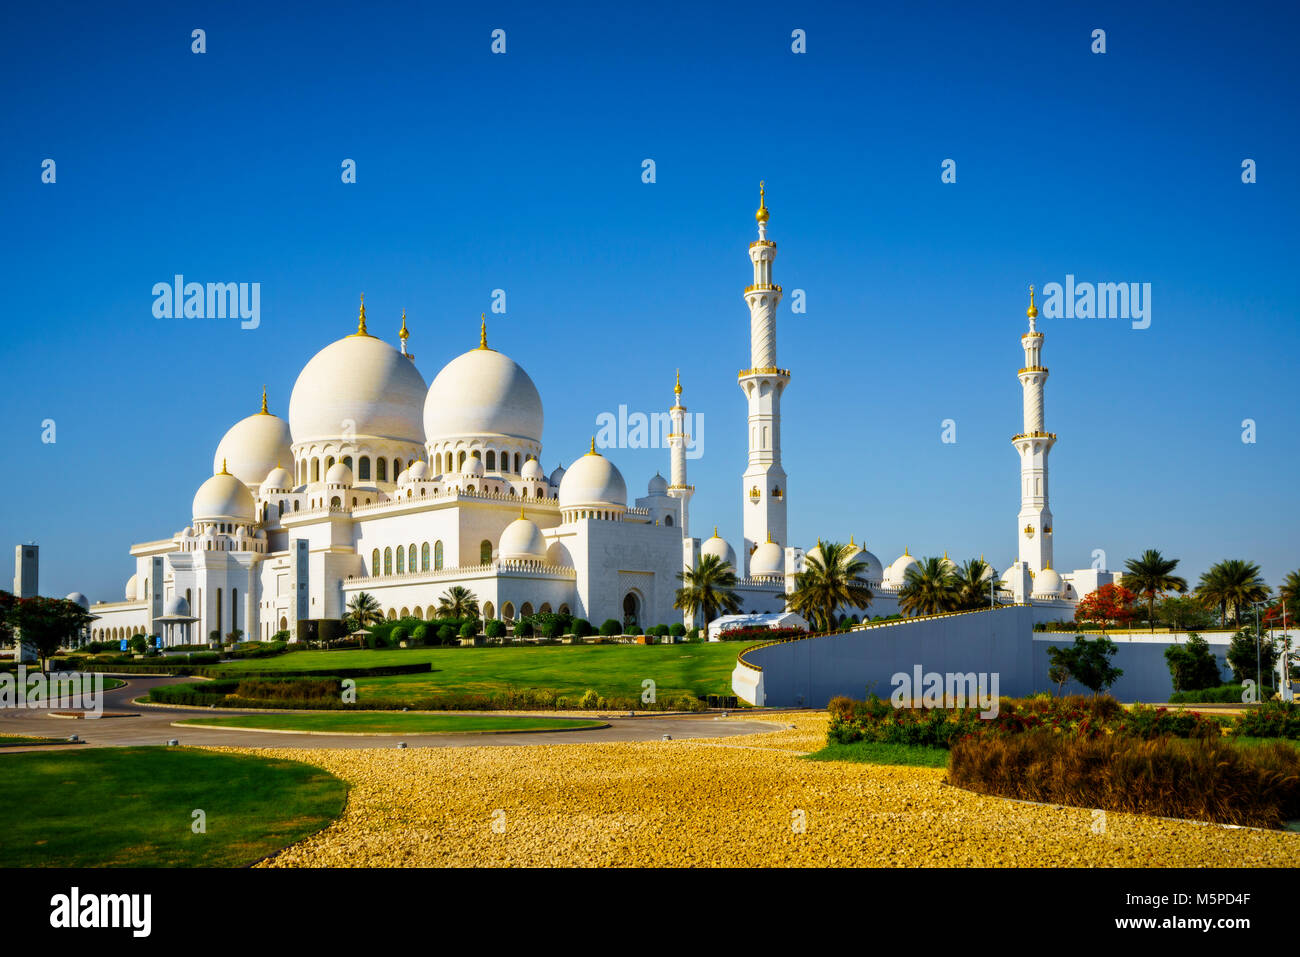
[523, 172]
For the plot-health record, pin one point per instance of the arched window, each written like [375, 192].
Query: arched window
[508, 611]
[347, 460]
[485, 552]
[363, 472]
[381, 473]
[460, 462]
[374, 562]
[668, 520]
[401, 559]
[437, 555]
[388, 561]
[424, 557]
[489, 611]
[335, 502]
[295, 505]
[315, 470]
[525, 609]
[491, 464]
[410, 558]
[397, 468]
[329, 462]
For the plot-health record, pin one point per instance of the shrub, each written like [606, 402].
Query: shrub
[552, 629]
[496, 628]
[447, 634]
[610, 627]
[633, 629]
[420, 634]
[469, 630]
[282, 635]
[589, 700]
[677, 629]
[1205, 779]
[1223, 694]
[761, 634]
[693, 635]
[524, 629]
[331, 629]
[396, 637]
[1242, 656]
[1144, 721]
[1192, 665]
[1272, 719]
[582, 628]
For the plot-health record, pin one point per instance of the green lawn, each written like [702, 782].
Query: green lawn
[610, 670]
[18, 741]
[133, 807]
[876, 752]
[392, 722]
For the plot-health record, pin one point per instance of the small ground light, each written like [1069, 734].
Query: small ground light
[401, 744]
[668, 737]
[73, 737]
[172, 742]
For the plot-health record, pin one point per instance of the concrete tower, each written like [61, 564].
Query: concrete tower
[27, 563]
[1034, 444]
[677, 440]
[764, 491]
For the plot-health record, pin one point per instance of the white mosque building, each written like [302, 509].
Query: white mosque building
[382, 483]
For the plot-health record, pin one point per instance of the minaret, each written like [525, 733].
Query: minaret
[1033, 444]
[403, 335]
[764, 486]
[677, 439]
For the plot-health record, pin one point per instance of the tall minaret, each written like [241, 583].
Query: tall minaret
[677, 440]
[1033, 444]
[764, 490]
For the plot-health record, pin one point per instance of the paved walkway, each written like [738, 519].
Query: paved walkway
[153, 725]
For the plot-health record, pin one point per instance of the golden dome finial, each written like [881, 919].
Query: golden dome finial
[1032, 311]
[223, 468]
[403, 334]
[761, 215]
[482, 331]
[852, 542]
[521, 511]
[264, 410]
[769, 537]
[592, 450]
[677, 389]
[905, 551]
[361, 319]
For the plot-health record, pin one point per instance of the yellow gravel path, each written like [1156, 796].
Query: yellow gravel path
[741, 801]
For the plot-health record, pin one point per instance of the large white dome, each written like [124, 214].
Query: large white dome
[874, 571]
[1048, 583]
[483, 393]
[718, 548]
[522, 539]
[896, 574]
[593, 480]
[252, 447]
[768, 559]
[224, 498]
[357, 387]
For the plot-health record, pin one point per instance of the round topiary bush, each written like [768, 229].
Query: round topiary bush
[524, 629]
[396, 636]
[446, 634]
[582, 628]
[496, 628]
[469, 630]
[634, 629]
[677, 629]
[420, 634]
[610, 626]
[693, 635]
[552, 629]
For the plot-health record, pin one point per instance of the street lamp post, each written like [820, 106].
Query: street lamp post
[1259, 676]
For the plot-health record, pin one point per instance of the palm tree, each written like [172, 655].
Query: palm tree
[1150, 576]
[363, 610]
[831, 578]
[1290, 593]
[1232, 584]
[974, 581]
[458, 602]
[708, 589]
[929, 588]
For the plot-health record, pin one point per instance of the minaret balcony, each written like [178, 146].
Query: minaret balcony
[1034, 435]
[1032, 369]
[763, 287]
[765, 370]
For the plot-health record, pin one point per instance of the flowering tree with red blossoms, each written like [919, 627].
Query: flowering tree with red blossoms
[1108, 604]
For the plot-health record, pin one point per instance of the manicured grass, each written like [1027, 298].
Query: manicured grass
[696, 668]
[18, 741]
[392, 722]
[133, 807]
[876, 752]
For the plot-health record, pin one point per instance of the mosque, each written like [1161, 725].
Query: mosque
[381, 483]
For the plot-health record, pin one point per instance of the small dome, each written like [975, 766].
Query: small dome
[473, 466]
[132, 588]
[339, 474]
[279, 478]
[418, 472]
[77, 598]
[177, 605]
[658, 485]
[253, 447]
[873, 571]
[896, 574]
[989, 572]
[1048, 583]
[593, 480]
[224, 498]
[533, 470]
[557, 476]
[522, 539]
[768, 559]
[718, 548]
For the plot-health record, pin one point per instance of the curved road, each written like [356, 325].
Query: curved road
[153, 725]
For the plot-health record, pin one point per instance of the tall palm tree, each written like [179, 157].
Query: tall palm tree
[1151, 576]
[929, 588]
[458, 602]
[363, 610]
[708, 589]
[1232, 584]
[974, 581]
[1290, 593]
[831, 579]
